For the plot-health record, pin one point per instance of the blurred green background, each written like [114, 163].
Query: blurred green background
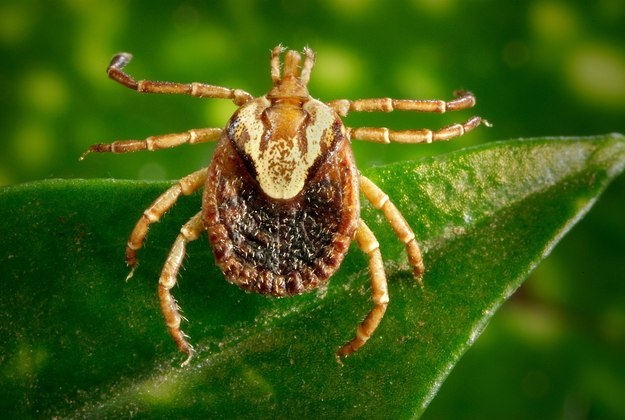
[538, 68]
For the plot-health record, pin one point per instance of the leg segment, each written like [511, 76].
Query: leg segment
[166, 141]
[309, 62]
[171, 311]
[116, 72]
[275, 63]
[384, 135]
[369, 245]
[380, 200]
[157, 209]
[463, 100]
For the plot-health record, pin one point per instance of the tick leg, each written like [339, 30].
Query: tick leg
[115, 71]
[165, 141]
[369, 245]
[380, 201]
[171, 311]
[157, 209]
[384, 135]
[463, 100]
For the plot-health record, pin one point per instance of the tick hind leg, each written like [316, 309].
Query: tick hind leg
[369, 245]
[157, 209]
[171, 311]
[380, 201]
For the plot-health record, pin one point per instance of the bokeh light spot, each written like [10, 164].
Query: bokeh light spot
[45, 90]
[597, 73]
[27, 361]
[336, 69]
[415, 81]
[95, 46]
[91, 60]
[32, 146]
[553, 21]
[15, 22]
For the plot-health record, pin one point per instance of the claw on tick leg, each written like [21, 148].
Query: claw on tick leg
[189, 357]
[419, 278]
[131, 261]
[339, 359]
[132, 272]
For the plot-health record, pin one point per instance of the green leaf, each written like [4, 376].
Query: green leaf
[76, 340]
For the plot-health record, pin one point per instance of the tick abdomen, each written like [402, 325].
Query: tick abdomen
[275, 246]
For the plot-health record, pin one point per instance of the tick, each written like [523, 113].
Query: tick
[281, 194]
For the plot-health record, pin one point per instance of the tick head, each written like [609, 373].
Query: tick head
[285, 135]
[291, 85]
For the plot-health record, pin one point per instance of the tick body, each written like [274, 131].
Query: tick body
[281, 194]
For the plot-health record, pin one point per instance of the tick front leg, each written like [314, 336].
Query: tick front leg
[115, 71]
[380, 201]
[369, 245]
[157, 209]
[171, 311]
[165, 141]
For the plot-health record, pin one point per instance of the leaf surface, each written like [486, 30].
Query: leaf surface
[76, 340]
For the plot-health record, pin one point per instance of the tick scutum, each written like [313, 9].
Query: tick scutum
[279, 247]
